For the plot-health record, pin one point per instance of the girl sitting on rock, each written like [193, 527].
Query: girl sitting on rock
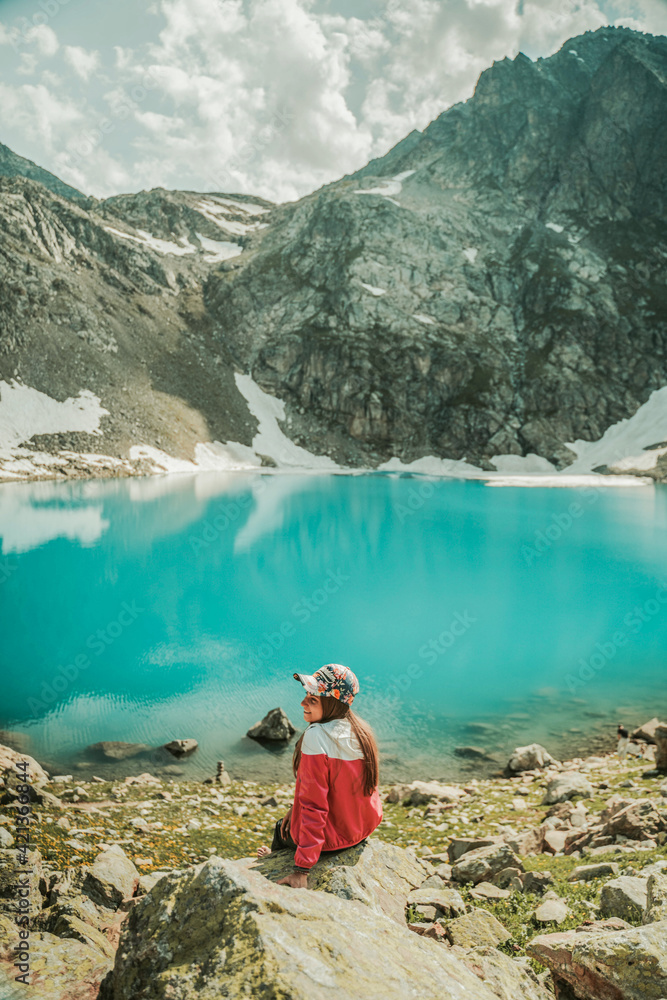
[336, 800]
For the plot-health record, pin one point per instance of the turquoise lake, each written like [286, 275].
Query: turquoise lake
[150, 609]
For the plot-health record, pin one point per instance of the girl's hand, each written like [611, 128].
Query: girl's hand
[297, 880]
[286, 819]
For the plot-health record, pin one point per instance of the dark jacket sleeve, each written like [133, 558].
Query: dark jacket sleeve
[313, 794]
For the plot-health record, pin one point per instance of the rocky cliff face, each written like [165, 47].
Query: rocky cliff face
[492, 286]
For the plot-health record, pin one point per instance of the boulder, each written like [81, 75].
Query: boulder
[117, 750]
[638, 820]
[67, 925]
[59, 968]
[483, 863]
[536, 882]
[180, 748]
[565, 786]
[458, 846]
[506, 877]
[423, 792]
[617, 965]
[479, 927]
[473, 753]
[12, 775]
[487, 890]
[552, 910]
[447, 902]
[584, 873]
[6, 839]
[377, 874]
[647, 731]
[529, 758]
[624, 897]
[397, 793]
[554, 841]
[528, 842]
[223, 929]
[110, 879]
[507, 979]
[660, 737]
[656, 898]
[275, 726]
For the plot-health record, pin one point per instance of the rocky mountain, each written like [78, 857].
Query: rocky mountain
[12, 165]
[492, 288]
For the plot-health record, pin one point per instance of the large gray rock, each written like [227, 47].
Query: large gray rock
[222, 929]
[483, 863]
[476, 928]
[647, 731]
[182, 747]
[503, 975]
[110, 879]
[552, 910]
[11, 774]
[446, 902]
[530, 757]
[624, 897]
[660, 737]
[616, 965]
[423, 792]
[585, 873]
[458, 846]
[59, 968]
[566, 786]
[275, 727]
[656, 898]
[640, 819]
[375, 873]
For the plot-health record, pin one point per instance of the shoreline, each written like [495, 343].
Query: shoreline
[497, 479]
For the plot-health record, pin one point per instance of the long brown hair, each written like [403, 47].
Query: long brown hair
[332, 708]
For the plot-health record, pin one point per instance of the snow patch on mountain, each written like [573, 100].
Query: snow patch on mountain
[624, 445]
[25, 411]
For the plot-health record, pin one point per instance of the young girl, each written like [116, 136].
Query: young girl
[336, 800]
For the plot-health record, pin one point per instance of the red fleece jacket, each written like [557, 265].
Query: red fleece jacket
[330, 810]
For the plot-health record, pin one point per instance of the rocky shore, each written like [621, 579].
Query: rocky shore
[548, 881]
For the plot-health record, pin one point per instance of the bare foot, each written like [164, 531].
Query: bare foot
[263, 851]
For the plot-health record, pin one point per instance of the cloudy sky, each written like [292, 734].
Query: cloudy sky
[270, 97]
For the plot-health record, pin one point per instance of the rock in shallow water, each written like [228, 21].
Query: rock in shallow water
[274, 726]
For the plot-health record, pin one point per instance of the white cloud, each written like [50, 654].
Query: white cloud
[39, 114]
[81, 60]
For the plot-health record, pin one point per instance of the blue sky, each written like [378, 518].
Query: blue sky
[269, 97]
